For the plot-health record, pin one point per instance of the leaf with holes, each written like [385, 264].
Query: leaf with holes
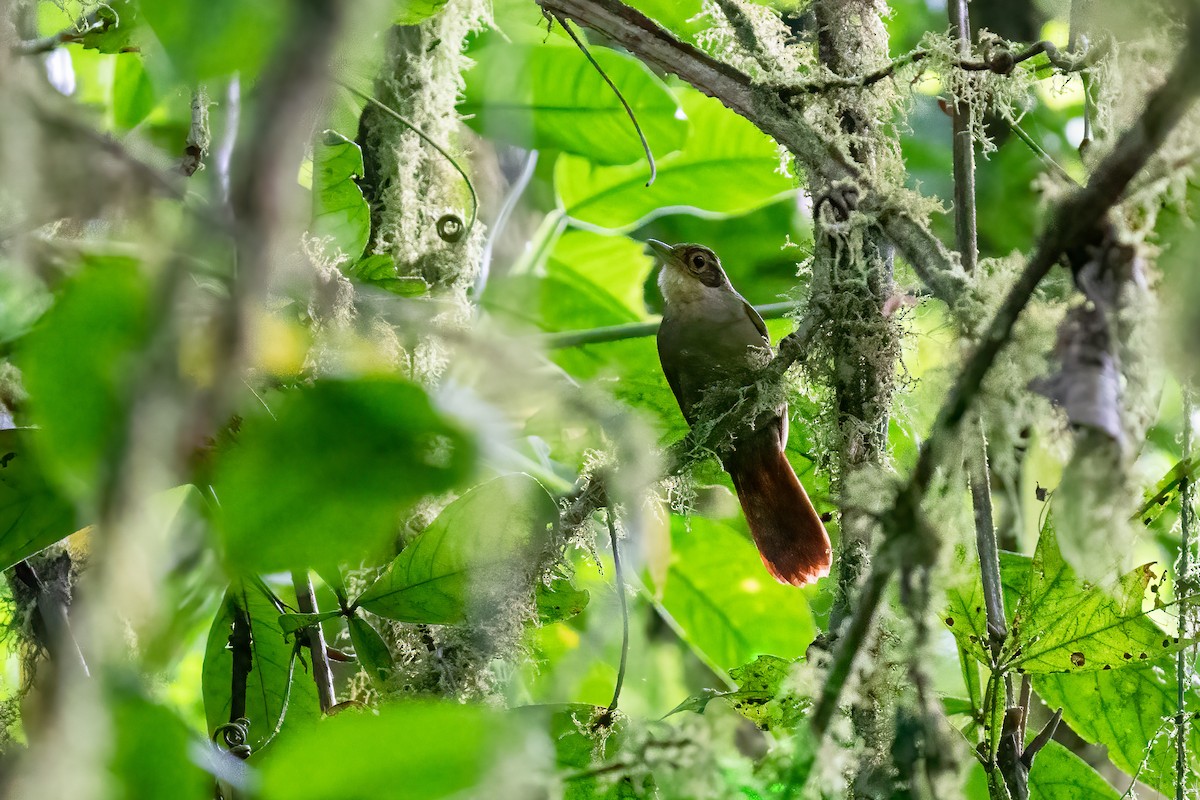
[340, 212]
[484, 541]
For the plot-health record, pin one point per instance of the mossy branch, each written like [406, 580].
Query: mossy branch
[1072, 224]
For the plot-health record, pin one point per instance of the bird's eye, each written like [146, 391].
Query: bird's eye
[698, 261]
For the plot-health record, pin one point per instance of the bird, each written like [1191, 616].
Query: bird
[710, 335]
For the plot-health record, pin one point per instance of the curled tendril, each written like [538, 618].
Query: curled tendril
[234, 735]
[450, 228]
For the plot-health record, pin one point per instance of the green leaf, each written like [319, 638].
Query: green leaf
[760, 696]
[1059, 774]
[727, 605]
[206, 39]
[1129, 711]
[326, 478]
[415, 749]
[118, 30]
[290, 623]
[1062, 624]
[560, 600]
[584, 736]
[726, 166]
[152, 752]
[1058, 623]
[340, 211]
[543, 97]
[380, 270]
[133, 95]
[269, 695]
[77, 364]
[33, 515]
[483, 541]
[411, 12]
[372, 652]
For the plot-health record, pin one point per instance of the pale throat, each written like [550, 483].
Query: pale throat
[684, 290]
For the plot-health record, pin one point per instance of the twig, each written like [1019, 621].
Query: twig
[637, 330]
[198, 137]
[619, 579]
[306, 603]
[1042, 155]
[628, 111]
[52, 609]
[242, 659]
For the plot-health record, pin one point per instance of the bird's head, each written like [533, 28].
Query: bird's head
[690, 271]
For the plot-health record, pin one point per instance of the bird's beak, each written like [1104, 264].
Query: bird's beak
[660, 249]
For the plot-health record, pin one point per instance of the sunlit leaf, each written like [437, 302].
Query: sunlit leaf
[133, 94]
[410, 12]
[481, 543]
[1059, 774]
[269, 694]
[727, 605]
[209, 38]
[760, 696]
[726, 166]
[560, 601]
[340, 212]
[325, 478]
[1129, 711]
[413, 749]
[545, 97]
[77, 364]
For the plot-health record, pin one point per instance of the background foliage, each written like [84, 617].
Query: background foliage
[293, 449]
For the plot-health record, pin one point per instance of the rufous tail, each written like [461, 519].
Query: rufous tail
[787, 529]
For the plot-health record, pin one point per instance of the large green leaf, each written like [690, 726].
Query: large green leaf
[269, 694]
[483, 542]
[408, 750]
[76, 364]
[1060, 623]
[152, 752]
[1129, 711]
[340, 211]
[371, 650]
[133, 95]
[542, 97]
[325, 479]
[33, 515]
[1059, 774]
[209, 38]
[726, 166]
[727, 605]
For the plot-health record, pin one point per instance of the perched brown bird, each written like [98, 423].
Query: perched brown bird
[710, 335]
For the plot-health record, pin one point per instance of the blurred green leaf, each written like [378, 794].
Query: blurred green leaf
[372, 652]
[206, 39]
[77, 364]
[407, 750]
[325, 478]
[1059, 774]
[1129, 711]
[543, 97]
[133, 95]
[33, 515]
[340, 211]
[483, 540]
[726, 604]
[269, 694]
[116, 27]
[410, 12]
[726, 166]
[684, 18]
[560, 600]
[151, 752]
